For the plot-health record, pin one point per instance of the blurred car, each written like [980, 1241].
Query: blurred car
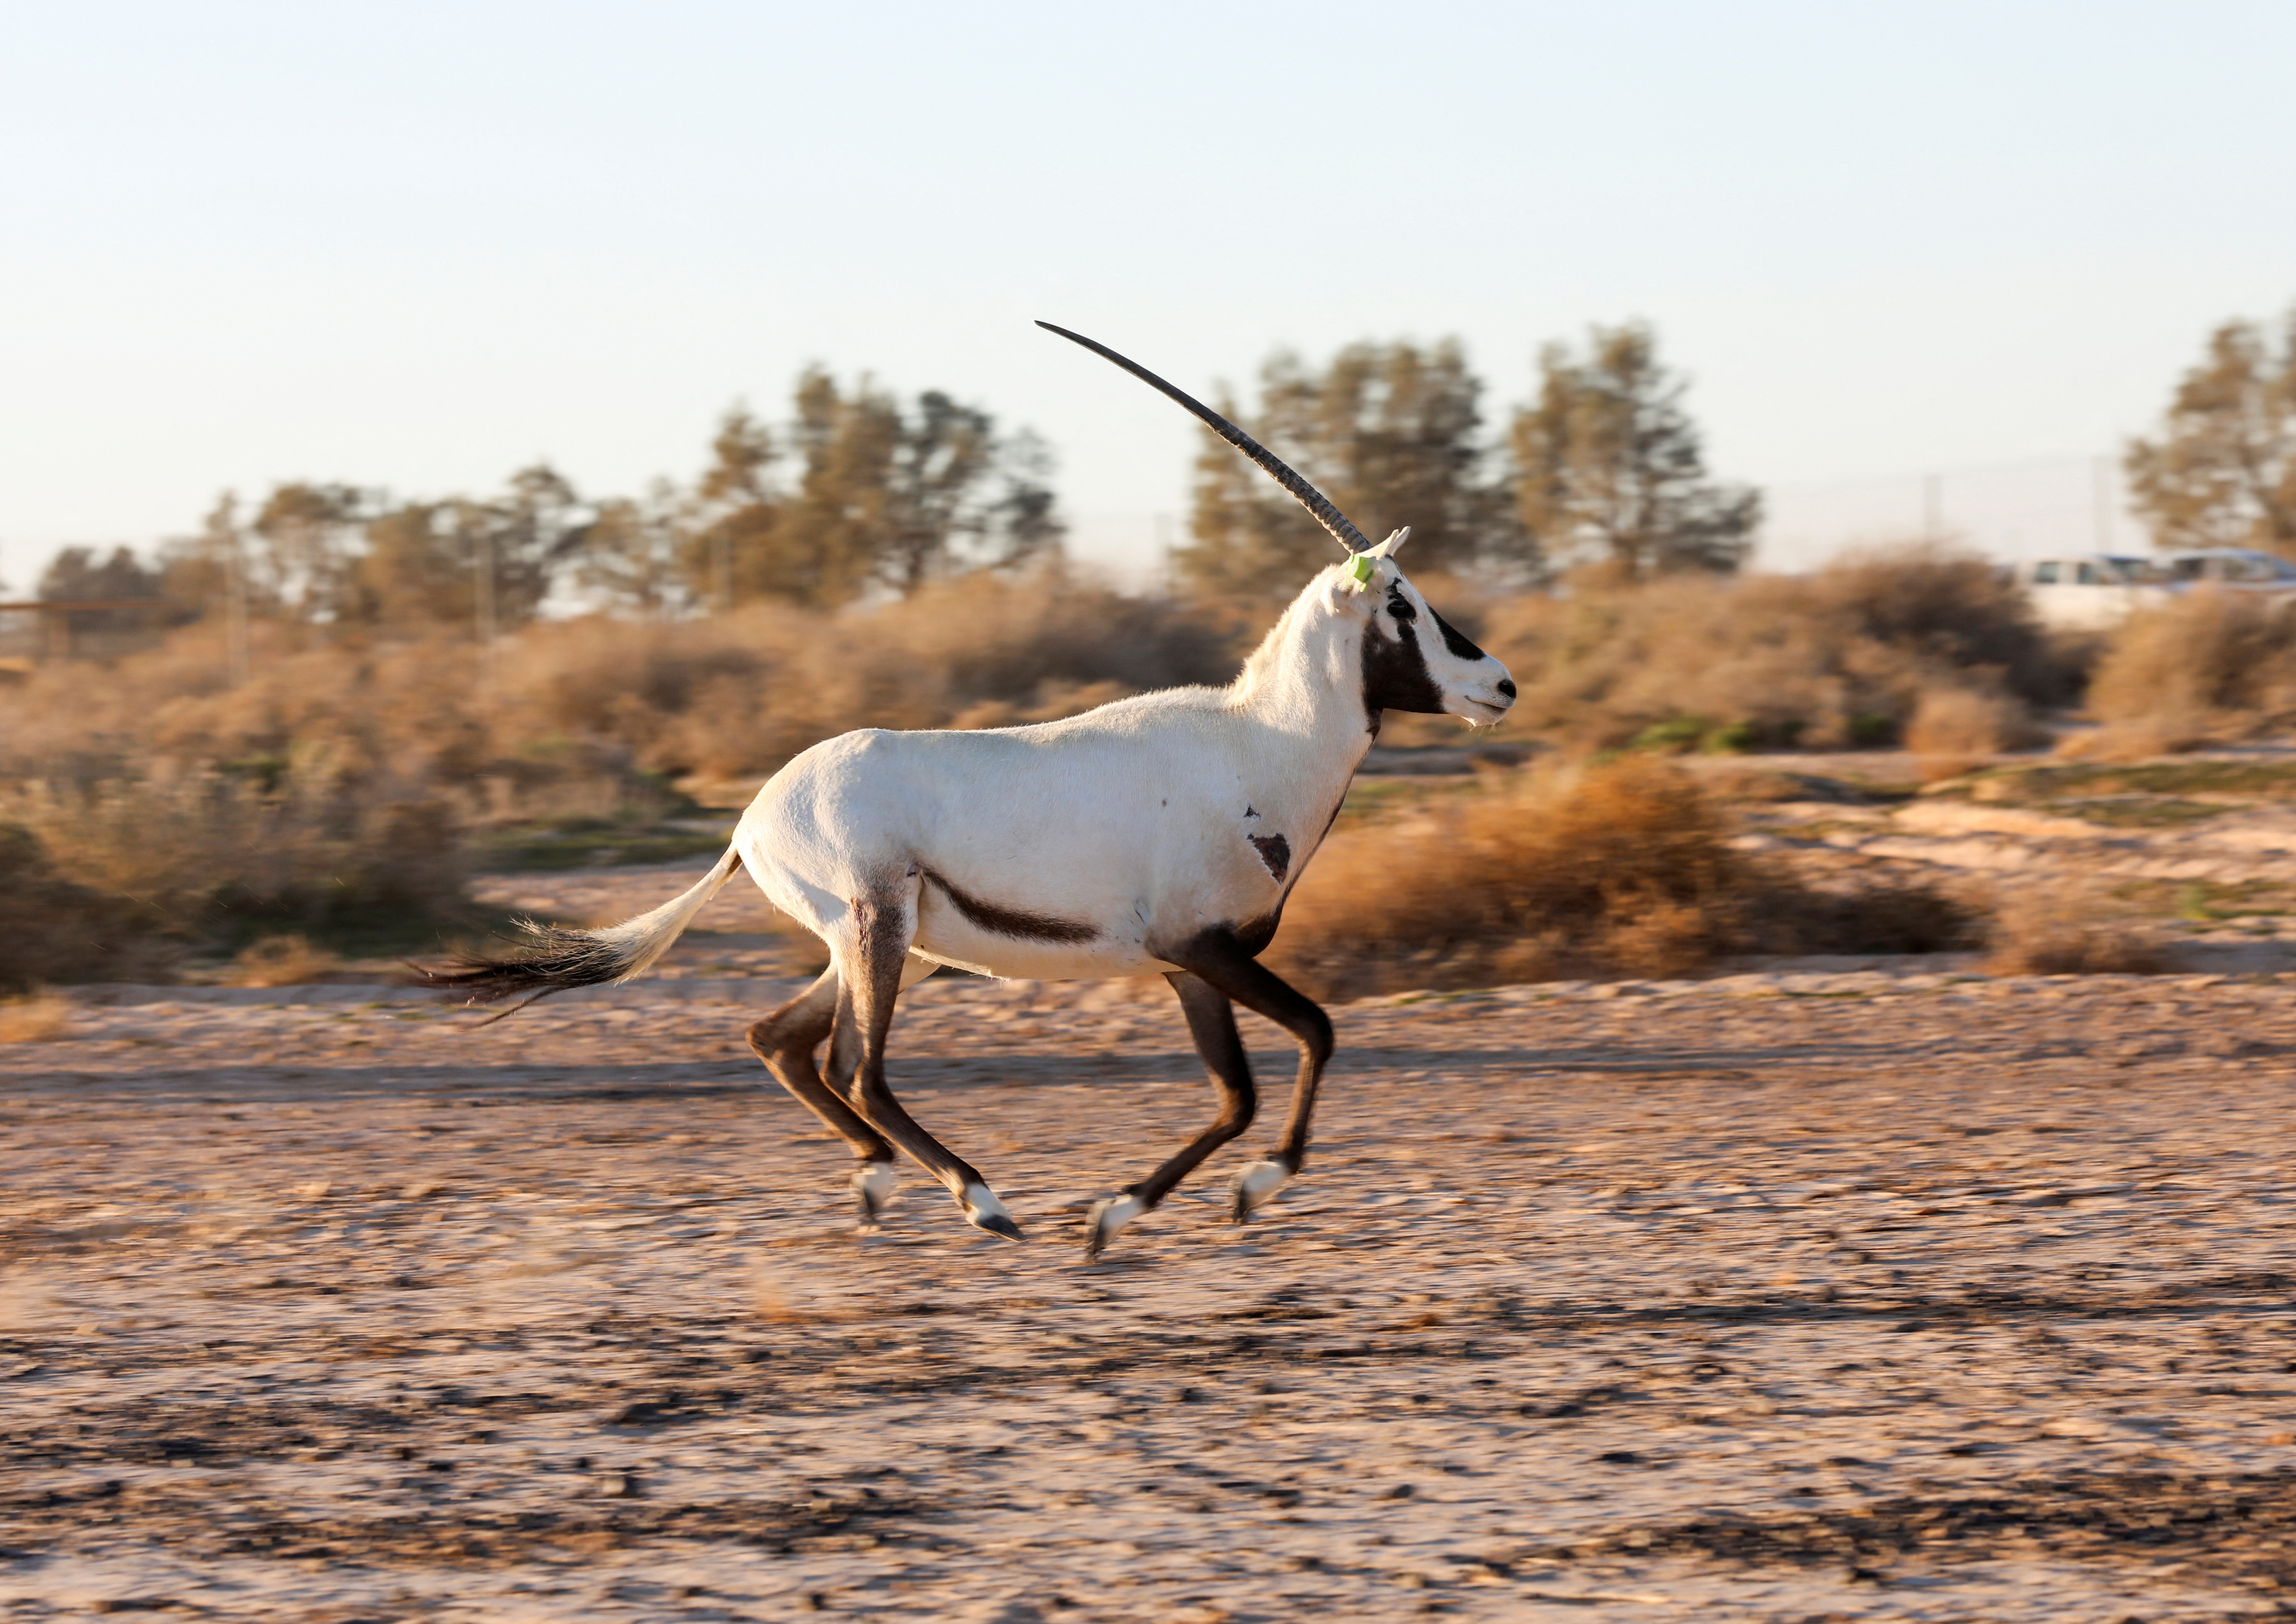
[2091, 591]
[2088, 591]
[2238, 568]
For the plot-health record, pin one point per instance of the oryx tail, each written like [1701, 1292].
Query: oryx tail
[553, 960]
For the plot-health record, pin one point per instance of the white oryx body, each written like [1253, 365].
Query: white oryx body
[1140, 822]
[1158, 834]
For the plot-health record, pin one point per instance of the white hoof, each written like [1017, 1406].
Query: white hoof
[1109, 1215]
[983, 1210]
[874, 1182]
[1256, 1185]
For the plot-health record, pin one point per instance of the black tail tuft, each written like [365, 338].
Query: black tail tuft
[550, 960]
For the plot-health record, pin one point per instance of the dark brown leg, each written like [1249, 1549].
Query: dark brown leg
[786, 1041]
[883, 929]
[1221, 960]
[1211, 1022]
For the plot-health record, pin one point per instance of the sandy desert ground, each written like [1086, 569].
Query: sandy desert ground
[1784, 1296]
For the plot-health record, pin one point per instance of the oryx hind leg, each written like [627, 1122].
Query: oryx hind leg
[785, 1040]
[1211, 1022]
[1223, 961]
[871, 958]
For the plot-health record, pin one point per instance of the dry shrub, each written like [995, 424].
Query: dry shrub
[36, 1017]
[2212, 665]
[334, 792]
[1622, 868]
[1954, 730]
[284, 961]
[743, 693]
[1839, 658]
[208, 853]
[53, 928]
[2067, 933]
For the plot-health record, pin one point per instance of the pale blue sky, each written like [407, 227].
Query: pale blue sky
[420, 244]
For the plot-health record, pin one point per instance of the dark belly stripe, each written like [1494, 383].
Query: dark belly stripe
[1019, 923]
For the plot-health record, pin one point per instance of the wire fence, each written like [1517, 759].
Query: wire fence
[2005, 510]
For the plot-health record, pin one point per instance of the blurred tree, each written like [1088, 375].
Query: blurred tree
[198, 569]
[1389, 432]
[76, 574]
[2223, 473]
[884, 499]
[411, 571]
[465, 562]
[739, 506]
[303, 561]
[519, 541]
[634, 553]
[1607, 465]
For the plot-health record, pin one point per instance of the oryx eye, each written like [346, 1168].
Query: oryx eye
[1400, 608]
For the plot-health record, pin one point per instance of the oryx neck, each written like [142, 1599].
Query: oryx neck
[1305, 683]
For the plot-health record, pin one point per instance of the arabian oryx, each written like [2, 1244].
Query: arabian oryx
[1157, 834]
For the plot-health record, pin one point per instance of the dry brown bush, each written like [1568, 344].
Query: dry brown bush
[54, 930]
[284, 961]
[2212, 665]
[341, 782]
[2067, 932]
[202, 854]
[1954, 729]
[35, 1017]
[1839, 658]
[1620, 868]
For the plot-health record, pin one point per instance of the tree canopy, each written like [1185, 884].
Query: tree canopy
[2222, 472]
[858, 493]
[1607, 467]
[1605, 464]
[1389, 432]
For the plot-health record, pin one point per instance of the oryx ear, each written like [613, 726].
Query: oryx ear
[1392, 545]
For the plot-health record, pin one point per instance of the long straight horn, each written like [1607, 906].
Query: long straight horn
[1276, 469]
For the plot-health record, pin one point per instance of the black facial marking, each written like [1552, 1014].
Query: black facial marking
[1401, 607]
[1019, 923]
[1274, 850]
[1395, 674]
[1462, 646]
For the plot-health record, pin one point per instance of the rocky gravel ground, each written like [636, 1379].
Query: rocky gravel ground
[1775, 1297]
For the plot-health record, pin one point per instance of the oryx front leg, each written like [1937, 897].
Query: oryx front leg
[871, 954]
[1227, 966]
[1211, 1022]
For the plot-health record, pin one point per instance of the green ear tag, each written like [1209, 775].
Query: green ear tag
[1362, 567]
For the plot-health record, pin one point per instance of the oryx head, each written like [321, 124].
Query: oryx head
[1413, 658]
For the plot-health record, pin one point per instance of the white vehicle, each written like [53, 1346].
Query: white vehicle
[2234, 568]
[2088, 591]
[2094, 591]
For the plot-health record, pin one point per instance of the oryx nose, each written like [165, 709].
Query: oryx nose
[1506, 686]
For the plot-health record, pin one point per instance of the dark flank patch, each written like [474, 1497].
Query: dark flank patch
[1020, 923]
[1274, 850]
[1255, 934]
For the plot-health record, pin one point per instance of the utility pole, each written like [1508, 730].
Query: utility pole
[2101, 501]
[236, 652]
[483, 561]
